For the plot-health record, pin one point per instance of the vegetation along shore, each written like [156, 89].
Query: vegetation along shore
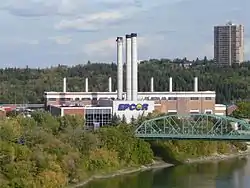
[46, 151]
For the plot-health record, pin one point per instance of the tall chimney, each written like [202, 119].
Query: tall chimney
[110, 84]
[195, 84]
[152, 85]
[134, 66]
[64, 85]
[119, 42]
[86, 85]
[128, 68]
[170, 84]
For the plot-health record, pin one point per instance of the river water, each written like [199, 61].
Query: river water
[234, 173]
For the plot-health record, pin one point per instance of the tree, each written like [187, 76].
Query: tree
[116, 120]
[133, 120]
[18, 85]
[243, 110]
[124, 121]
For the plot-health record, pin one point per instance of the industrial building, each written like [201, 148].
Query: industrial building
[229, 44]
[99, 107]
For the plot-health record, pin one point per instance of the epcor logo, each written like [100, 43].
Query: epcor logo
[138, 107]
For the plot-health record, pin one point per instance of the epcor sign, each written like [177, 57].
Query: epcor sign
[131, 107]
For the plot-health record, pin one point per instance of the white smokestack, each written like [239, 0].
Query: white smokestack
[170, 84]
[195, 84]
[134, 66]
[152, 84]
[128, 68]
[119, 42]
[64, 85]
[110, 84]
[86, 85]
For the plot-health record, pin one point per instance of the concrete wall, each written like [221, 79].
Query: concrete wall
[185, 105]
[105, 103]
[62, 111]
[73, 111]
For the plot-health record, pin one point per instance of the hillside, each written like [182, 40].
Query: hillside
[27, 85]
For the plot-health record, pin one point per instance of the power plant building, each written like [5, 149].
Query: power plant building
[99, 107]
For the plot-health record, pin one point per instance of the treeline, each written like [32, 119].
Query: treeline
[27, 85]
[45, 151]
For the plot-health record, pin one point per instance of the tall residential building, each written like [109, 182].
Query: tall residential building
[229, 44]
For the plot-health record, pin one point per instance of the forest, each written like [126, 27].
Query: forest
[27, 85]
[52, 152]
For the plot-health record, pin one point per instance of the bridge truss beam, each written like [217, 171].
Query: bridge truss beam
[195, 126]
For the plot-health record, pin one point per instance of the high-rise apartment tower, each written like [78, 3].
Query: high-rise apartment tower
[229, 44]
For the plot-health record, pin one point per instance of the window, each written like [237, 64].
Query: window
[172, 98]
[65, 99]
[172, 112]
[194, 112]
[208, 111]
[155, 98]
[86, 99]
[51, 99]
[194, 98]
[100, 116]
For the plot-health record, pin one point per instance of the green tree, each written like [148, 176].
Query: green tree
[243, 110]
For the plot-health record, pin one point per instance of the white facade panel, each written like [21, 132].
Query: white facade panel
[195, 111]
[220, 107]
[141, 95]
[171, 111]
[220, 114]
[132, 109]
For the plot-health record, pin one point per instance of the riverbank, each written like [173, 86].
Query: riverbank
[161, 164]
[154, 165]
[218, 157]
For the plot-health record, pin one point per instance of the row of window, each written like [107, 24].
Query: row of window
[146, 98]
[98, 111]
[191, 112]
[97, 119]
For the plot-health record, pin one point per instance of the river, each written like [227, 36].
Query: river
[234, 173]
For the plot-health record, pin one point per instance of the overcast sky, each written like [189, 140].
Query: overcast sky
[42, 33]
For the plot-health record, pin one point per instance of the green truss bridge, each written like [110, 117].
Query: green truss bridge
[194, 126]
